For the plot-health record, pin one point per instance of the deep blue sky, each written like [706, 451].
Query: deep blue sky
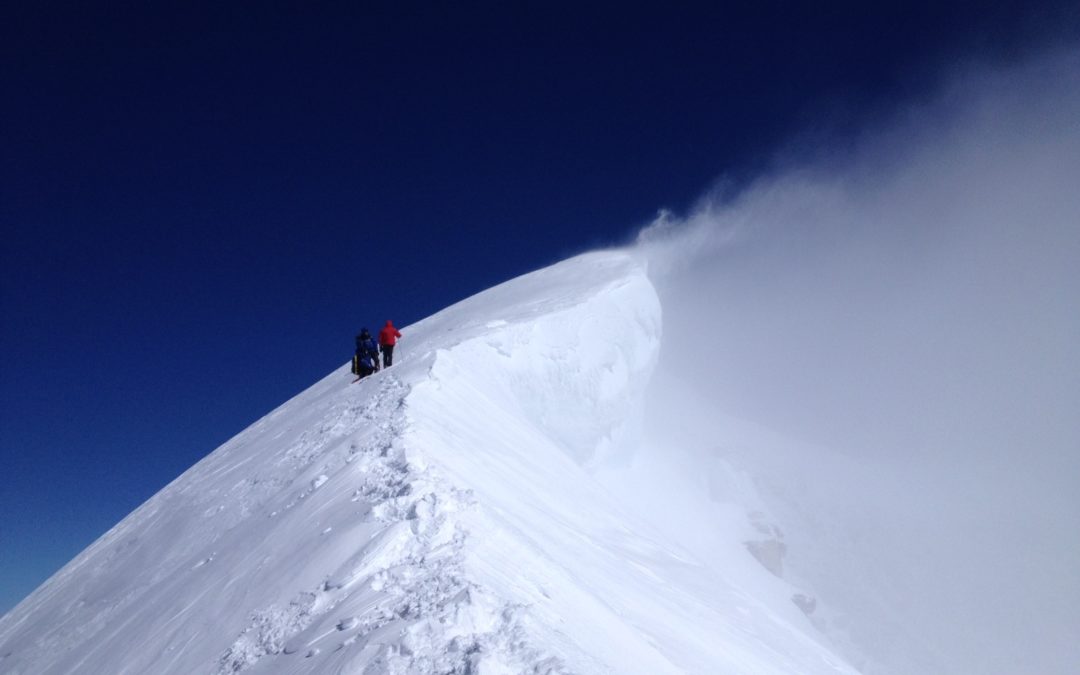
[200, 205]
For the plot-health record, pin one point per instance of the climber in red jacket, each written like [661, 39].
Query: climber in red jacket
[388, 337]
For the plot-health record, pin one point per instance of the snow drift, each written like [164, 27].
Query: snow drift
[831, 415]
[447, 515]
[902, 313]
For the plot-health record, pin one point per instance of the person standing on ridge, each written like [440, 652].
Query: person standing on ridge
[366, 360]
[388, 337]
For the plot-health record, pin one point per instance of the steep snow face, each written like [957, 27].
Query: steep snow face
[442, 516]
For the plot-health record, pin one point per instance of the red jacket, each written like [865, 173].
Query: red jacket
[388, 335]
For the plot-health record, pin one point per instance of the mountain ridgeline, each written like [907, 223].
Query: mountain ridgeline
[459, 512]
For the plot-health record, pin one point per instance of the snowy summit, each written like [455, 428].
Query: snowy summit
[472, 509]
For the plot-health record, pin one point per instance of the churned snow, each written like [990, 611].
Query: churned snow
[490, 504]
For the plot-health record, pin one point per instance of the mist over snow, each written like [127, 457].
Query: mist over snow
[441, 516]
[887, 340]
[824, 424]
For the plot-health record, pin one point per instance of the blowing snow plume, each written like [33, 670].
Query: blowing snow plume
[837, 417]
[437, 517]
[905, 321]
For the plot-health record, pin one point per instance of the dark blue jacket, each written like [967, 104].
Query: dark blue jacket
[368, 352]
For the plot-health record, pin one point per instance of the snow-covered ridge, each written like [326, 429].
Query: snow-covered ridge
[439, 517]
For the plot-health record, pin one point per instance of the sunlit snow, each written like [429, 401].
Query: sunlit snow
[444, 515]
[825, 424]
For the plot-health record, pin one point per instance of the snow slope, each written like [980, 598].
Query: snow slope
[470, 510]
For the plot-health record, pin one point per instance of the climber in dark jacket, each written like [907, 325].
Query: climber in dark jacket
[366, 359]
[388, 337]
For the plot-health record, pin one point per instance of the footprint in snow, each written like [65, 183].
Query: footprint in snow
[204, 561]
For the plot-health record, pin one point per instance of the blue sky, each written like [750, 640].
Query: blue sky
[201, 205]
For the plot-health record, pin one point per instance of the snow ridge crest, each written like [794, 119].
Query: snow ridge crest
[413, 598]
[402, 601]
[438, 517]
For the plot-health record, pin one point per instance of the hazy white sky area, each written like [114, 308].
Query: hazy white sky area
[910, 311]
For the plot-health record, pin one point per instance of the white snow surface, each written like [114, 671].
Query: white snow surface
[480, 507]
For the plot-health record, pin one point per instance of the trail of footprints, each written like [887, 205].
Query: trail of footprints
[402, 602]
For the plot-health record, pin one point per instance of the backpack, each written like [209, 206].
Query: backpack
[359, 356]
[366, 356]
[370, 354]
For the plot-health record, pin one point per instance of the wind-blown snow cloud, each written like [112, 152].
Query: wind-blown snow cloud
[914, 307]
